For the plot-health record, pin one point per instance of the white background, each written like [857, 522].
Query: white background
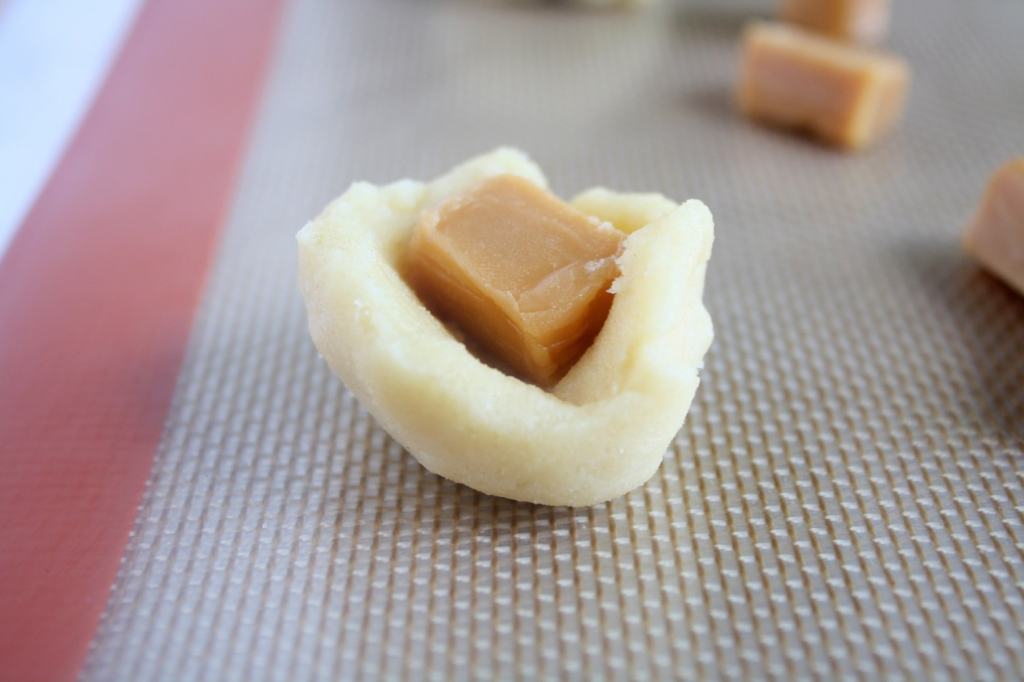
[53, 56]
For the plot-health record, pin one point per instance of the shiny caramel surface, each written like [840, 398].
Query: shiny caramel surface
[864, 21]
[996, 236]
[521, 273]
[844, 94]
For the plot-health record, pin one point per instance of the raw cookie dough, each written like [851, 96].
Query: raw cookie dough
[598, 433]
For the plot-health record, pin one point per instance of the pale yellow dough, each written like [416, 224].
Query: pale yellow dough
[602, 431]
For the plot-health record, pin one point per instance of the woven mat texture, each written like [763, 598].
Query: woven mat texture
[846, 498]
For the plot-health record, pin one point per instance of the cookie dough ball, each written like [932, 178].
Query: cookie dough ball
[600, 431]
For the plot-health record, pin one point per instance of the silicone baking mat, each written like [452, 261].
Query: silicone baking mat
[845, 499]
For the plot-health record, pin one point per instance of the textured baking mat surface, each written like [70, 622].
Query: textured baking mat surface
[846, 497]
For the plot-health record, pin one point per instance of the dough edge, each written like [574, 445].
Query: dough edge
[604, 428]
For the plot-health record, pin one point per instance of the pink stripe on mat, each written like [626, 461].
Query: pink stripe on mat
[97, 297]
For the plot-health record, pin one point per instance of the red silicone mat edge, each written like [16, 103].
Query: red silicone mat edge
[98, 291]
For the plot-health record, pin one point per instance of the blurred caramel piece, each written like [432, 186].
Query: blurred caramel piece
[522, 273]
[846, 95]
[866, 21]
[996, 237]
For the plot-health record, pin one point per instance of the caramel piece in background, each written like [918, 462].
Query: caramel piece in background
[844, 94]
[996, 236]
[522, 273]
[866, 21]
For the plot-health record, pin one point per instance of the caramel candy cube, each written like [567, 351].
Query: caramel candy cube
[844, 94]
[996, 237]
[524, 275]
[865, 21]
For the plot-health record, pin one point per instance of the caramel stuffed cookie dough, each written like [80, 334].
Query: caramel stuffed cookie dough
[600, 431]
